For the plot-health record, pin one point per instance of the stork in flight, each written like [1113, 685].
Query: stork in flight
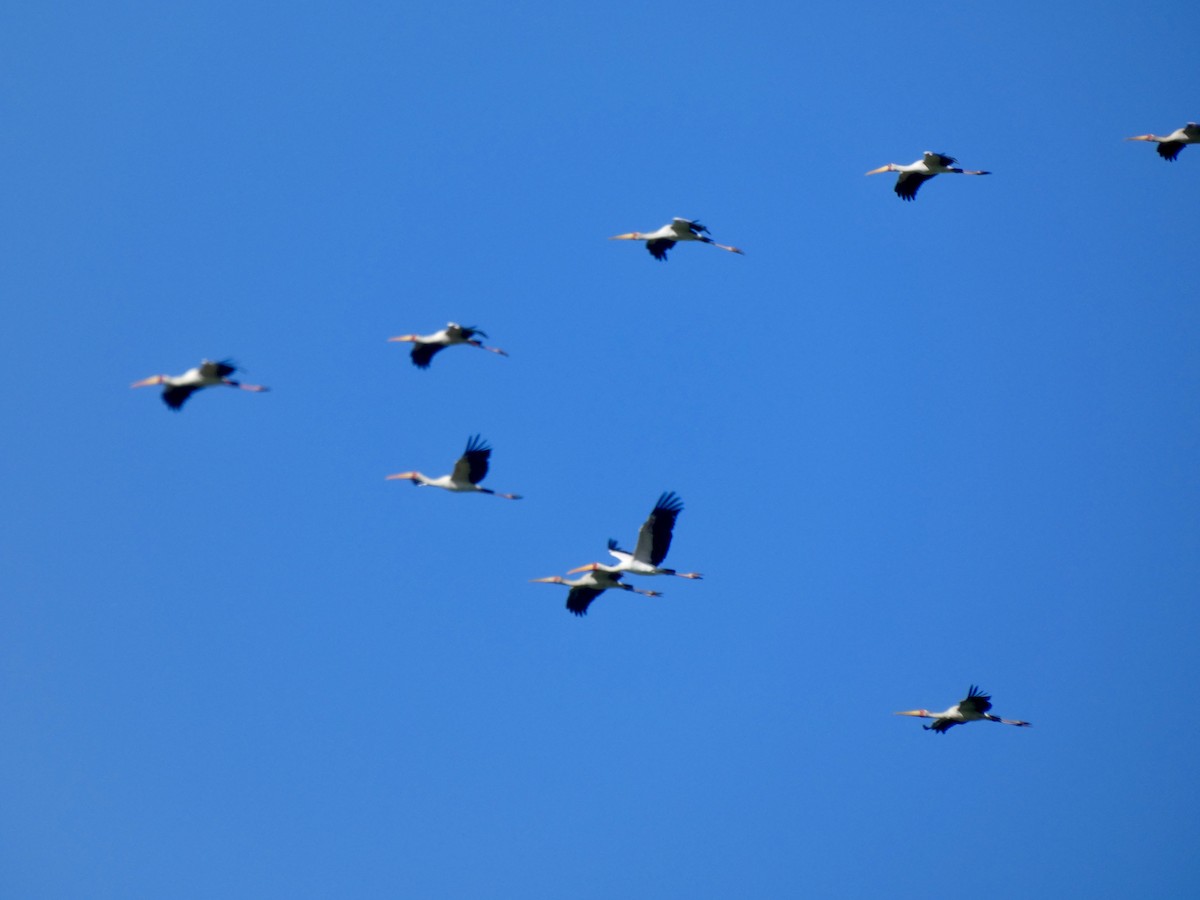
[470, 469]
[654, 540]
[916, 174]
[426, 345]
[590, 586]
[1169, 145]
[659, 242]
[972, 709]
[208, 374]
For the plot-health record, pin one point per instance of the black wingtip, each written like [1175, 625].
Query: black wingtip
[669, 501]
[476, 444]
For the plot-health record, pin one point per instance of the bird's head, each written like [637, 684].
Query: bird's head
[890, 167]
[414, 477]
[631, 236]
[147, 382]
[550, 579]
[919, 713]
[410, 338]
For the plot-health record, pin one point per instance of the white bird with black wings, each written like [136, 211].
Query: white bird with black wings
[590, 586]
[1169, 145]
[470, 469]
[177, 388]
[425, 346]
[916, 174]
[660, 241]
[654, 540]
[973, 709]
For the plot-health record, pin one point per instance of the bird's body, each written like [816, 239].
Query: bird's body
[916, 174]
[470, 469]
[654, 540]
[177, 388]
[973, 709]
[590, 586]
[426, 345]
[1169, 145]
[660, 241]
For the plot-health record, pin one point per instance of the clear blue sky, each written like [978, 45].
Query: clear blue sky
[921, 445]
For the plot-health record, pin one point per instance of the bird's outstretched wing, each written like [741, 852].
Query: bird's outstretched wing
[909, 183]
[175, 397]
[654, 537]
[658, 248]
[580, 598]
[1169, 150]
[218, 369]
[422, 354]
[977, 700]
[472, 466]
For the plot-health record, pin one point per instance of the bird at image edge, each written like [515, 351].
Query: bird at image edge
[1169, 145]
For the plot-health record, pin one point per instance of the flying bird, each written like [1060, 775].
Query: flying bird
[426, 345]
[972, 709]
[659, 242]
[179, 387]
[916, 174]
[470, 469]
[1170, 145]
[587, 588]
[654, 540]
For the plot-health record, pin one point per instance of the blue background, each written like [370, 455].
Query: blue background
[921, 446]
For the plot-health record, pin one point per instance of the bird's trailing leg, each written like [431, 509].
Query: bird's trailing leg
[256, 388]
[726, 247]
[483, 346]
[1017, 722]
[484, 490]
[643, 591]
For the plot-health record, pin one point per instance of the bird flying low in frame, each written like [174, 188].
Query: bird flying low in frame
[470, 469]
[916, 174]
[590, 586]
[1169, 145]
[973, 709]
[426, 345]
[654, 540]
[177, 388]
[659, 242]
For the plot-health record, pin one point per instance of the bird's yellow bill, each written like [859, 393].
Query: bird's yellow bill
[590, 567]
[146, 382]
[401, 475]
[403, 337]
[631, 236]
[910, 712]
[879, 170]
